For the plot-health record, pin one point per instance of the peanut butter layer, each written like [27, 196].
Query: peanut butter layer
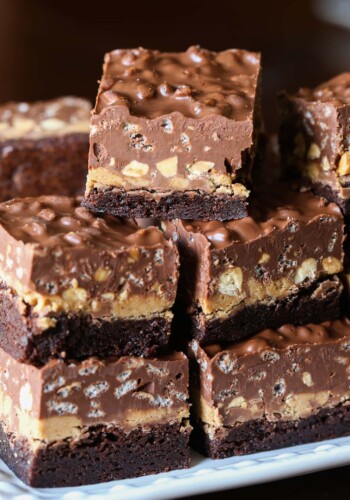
[289, 241]
[57, 256]
[314, 135]
[175, 121]
[60, 399]
[64, 115]
[285, 374]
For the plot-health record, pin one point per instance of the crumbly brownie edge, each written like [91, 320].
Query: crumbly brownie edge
[79, 336]
[176, 204]
[262, 435]
[50, 165]
[330, 194]
[103, 453]
[314, 304]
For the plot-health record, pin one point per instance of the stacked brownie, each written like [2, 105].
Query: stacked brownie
[90, 389]
[226, 263]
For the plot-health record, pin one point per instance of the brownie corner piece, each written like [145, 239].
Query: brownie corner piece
[74, 423]
[77, 285]
[271, 391]
[314, 138]
[161, 134]
[241, 276]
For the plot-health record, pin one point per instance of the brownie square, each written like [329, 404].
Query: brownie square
[275, 266]
[174, 134]
[315, 135]
[75, 285]
[73, 423]
[277, 389]
[44, 147]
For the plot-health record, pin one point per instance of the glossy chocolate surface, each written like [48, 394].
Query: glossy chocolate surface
[282, 374]
[49, 241]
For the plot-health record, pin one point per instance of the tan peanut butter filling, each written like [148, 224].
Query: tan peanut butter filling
[41, 431]
[239, 410]
[212, 182]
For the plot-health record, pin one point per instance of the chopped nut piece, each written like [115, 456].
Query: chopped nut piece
[325, 164]
[168, 167]
[102, 274]
[200, 167]
[344, 164]
[135, 169]
[307, 270]
[314, 152]
[230, 282]
[332, 265]
[307, 379]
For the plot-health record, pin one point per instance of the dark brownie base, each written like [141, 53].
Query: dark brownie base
[51, 165]
[78, 336]
[314, 304]
[177, 204]
[261, 435]
[104, 453]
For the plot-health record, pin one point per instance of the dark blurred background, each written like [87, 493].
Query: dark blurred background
[51, 47]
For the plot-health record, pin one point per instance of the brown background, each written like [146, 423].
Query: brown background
[53, 47]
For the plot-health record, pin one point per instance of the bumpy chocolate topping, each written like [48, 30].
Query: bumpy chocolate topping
[336, 91]
[269, 212]
[51, 244]
[287, 336]
[59, 116]
[196, 83]
[49, 221]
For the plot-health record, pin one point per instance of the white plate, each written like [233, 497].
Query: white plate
[205, 475]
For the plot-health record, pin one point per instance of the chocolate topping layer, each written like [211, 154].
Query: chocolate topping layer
[53, 246]
[268, 213]
[23, 120]
[287, 336]
[196, 83]
[284, 374]
[336, 91]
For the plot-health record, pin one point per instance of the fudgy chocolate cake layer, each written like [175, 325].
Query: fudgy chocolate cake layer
[103, 453]
[185, 205]
[76, 336]
[317, 303]
[50, 165]
[263, 435]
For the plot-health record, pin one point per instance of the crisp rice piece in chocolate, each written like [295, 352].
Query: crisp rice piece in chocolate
[44, 147]
[315, 138]
[67, 424]
[277, 389]
[76, 285]
[174, 134]
[273, 267]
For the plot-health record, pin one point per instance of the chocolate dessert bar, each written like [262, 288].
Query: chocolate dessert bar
[75, 285]
[279, 388]
[44, 147]
[315, 138]
[74, 423]
[174, 134]
[262, 271]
